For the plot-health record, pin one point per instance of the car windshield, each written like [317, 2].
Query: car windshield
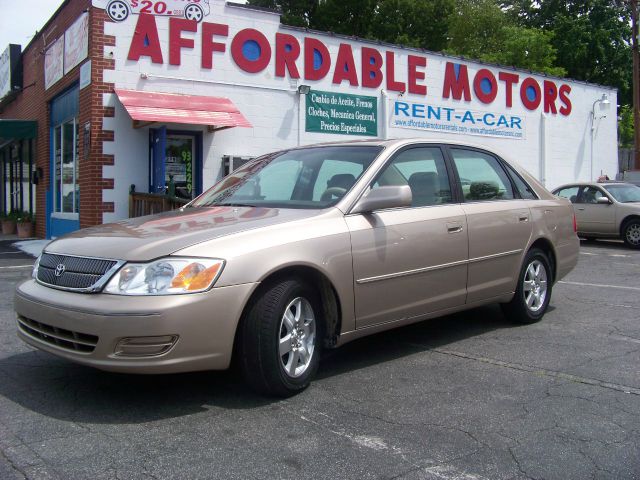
[624, 193]
[313, 178]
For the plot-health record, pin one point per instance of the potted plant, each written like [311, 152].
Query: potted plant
[8, 223]
[25, 222]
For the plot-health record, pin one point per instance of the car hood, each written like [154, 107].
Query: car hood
[150, 237]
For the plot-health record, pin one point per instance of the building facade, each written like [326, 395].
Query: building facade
[165, 97]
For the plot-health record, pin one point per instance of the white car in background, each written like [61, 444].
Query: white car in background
[119, 10]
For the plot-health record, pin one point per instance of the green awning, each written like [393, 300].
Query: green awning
[18, 129]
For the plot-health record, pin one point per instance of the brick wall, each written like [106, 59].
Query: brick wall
[33, 103]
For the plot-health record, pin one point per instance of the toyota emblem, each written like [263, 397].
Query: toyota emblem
[60, 270]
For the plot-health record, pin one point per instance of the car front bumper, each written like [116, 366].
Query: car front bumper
[150, 334]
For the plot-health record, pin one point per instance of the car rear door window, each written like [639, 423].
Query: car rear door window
[523, 188]
[482, 177]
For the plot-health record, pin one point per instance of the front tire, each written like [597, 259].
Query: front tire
[631, 233]
[281, 338]
[533, 293]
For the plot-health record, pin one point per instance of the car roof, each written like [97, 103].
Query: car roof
[399, 142]
[589, 184]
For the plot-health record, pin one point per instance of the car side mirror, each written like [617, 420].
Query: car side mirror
[381, 198]
[603, 201]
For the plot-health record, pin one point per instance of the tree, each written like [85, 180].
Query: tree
[294, 12]
[625, 126]
[482, 30]
[415, 23]
[527, 48]
[591, 37]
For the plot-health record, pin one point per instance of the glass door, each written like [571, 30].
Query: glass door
[179, 166]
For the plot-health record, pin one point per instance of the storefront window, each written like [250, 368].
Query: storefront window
[179, 167]
[66, 173]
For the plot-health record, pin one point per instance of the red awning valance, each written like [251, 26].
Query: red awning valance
[152, 107]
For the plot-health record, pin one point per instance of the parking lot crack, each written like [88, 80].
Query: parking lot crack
[12, 464]
[519, 465]
[544, 372]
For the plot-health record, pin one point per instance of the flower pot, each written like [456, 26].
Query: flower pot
[25, 230]
[8, 227]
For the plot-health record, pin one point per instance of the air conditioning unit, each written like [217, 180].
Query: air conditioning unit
[231, 163]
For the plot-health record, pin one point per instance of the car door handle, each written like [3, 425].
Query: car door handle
[454, 227]
[581, 208]
[523, 218]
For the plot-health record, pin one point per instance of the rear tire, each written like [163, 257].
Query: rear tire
[533, 293]
[631, 233]
[281, 339]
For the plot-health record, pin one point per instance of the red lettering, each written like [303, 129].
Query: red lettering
[247, 37]
[414, 75]
[530, 88]
[371, 68]
[485, 80]
[392, 84]
[564, 92]
[550, 95]
[456, 84]
[345, 66]
[509, 79]
[176, 42]
[311, 48]
[287, 52]
[208, 45]
[145, 41]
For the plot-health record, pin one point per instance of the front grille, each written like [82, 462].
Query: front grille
[79, 273]
[75, 341]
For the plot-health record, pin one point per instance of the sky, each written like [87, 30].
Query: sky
[20, 19]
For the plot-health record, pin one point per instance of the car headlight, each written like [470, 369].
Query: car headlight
[167, 276]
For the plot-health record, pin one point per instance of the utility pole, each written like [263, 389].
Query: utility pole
[636, 84]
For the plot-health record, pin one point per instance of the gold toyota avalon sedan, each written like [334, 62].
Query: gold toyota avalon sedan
[297, 251]
[605, 210]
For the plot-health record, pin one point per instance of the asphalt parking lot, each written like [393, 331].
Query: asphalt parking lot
[465, 397]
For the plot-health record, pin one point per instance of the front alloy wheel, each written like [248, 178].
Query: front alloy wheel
[297, 337]
[280, 335]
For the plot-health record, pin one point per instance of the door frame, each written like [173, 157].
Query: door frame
[198, 158]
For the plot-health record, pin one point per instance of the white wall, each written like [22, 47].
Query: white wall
[556, 148]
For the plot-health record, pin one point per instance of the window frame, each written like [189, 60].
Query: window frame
[452, 183]
[58, 140]
[501, 163]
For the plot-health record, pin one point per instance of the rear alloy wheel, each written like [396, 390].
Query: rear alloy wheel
[631, 233]
[280, 343]
[118, 10]
[535, 282]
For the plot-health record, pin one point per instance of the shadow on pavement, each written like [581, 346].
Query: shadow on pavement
[59, 389]
[9, 252]
[606, 243]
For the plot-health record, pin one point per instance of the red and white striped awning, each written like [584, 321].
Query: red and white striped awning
[217, 112]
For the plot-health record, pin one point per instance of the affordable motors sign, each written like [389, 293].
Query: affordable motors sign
[347, 64]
